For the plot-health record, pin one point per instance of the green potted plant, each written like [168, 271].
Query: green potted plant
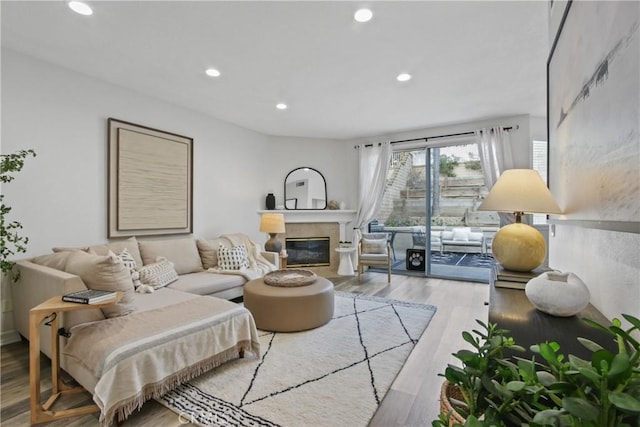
[12, 242]
[555, 391]
[467, 388]
[601, 392]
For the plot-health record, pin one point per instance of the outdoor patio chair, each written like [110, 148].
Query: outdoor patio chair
[374, 251]
[419, 238]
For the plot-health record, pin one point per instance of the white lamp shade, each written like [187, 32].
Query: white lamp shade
[520, 190]
[272, 223]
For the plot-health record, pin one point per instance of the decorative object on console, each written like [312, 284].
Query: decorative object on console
[558, 294]
[333, 205]
[518, 246]
[270, 202]
[272, 223]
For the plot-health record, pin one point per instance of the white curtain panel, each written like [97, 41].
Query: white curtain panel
[374, 166]
[494, 147]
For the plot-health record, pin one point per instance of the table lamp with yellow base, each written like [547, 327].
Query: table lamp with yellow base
[518, 246]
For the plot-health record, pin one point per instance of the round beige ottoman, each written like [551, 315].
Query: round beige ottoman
[289, 309]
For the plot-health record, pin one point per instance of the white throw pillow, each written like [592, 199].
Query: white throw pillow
[460, 235]
[475, 236]
[159, 274]
[374, 246]
[233, 258]
[447, 235]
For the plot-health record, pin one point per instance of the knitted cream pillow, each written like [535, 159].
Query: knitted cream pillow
[159, 274]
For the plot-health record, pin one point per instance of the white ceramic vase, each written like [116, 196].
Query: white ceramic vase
[558, 294]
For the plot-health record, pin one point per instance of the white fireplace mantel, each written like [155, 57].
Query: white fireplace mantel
[342, 217]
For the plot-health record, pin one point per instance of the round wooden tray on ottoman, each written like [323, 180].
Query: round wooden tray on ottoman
[290, 278]
[289, 309]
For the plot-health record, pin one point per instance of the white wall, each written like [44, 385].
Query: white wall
[60, 196]
[337, 161]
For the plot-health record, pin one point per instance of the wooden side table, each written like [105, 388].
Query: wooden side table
[51, 309]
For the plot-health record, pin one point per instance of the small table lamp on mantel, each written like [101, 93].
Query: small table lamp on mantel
[272, 223]
[518, 246]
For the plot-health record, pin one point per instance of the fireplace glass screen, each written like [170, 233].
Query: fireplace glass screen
[307, 252]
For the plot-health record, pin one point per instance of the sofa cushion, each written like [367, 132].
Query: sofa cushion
[183, 253]
[233, 258]
[56, 260]
[374, 246]
[159, 274]
[447, 235]
[130, 244]
[205, 283]
[105, 273]
[209, 252]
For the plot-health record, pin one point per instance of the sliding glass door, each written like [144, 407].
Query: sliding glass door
[429, 212]
[459, 235]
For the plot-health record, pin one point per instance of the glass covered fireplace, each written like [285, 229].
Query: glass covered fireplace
[307, 252]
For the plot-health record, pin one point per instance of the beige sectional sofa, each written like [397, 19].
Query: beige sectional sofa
[172, 334]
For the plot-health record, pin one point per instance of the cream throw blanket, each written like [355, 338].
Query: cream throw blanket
[258, 265]
[145, 354]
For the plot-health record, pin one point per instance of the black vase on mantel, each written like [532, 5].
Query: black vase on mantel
[271, 202]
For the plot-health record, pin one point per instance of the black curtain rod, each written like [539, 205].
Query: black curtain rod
[427, 138]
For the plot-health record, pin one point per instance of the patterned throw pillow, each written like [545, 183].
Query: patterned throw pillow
[233, 258]
[159, 274]
[128, 260]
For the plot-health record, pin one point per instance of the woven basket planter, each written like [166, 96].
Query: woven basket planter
[448, 391]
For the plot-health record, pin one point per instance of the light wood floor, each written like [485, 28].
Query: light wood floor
[411, 401]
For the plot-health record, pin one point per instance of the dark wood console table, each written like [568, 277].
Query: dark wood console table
[511, 309]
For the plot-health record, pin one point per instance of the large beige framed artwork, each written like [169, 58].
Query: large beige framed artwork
[150, 181]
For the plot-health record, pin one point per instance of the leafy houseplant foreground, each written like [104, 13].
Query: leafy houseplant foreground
[551, 389]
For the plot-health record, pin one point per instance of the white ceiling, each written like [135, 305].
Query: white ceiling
[469, 60]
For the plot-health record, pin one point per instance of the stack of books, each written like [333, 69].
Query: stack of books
[89, 296]
[514, 279]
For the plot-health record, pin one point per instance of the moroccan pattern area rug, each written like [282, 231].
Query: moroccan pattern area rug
[333, 375]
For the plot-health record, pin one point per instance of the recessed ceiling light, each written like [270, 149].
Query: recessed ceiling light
[281, 106]
[80, 7]
[403, 77]
[212, 72]
[363, 15]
